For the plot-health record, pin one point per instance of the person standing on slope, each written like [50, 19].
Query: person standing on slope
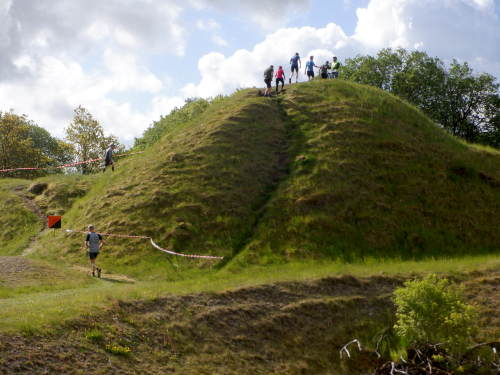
[108, 158]
[324, 70]
[92, 242]
[310, 68]
[280, 77]
[268, 78]
[335, 68]
[296, 64]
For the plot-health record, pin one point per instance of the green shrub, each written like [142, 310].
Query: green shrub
[94, 335]
[433, 311]
[117, 349]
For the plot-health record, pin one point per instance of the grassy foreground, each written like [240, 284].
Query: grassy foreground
[284, 319]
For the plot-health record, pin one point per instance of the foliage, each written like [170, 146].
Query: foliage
[117, 349]
[55, 150]
[88, 140]
[178, 116]
[432, 311]
[94, 335]
[16, 147]
[465, 104]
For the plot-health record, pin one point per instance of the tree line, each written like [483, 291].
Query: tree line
[23, 144]
[464, 103]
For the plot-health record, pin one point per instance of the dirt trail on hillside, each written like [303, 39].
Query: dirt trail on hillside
[32, 206]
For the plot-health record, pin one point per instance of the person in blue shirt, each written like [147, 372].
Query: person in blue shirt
[296, 65]
[310, 68]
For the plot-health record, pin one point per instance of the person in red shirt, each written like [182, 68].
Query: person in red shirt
[280, 77]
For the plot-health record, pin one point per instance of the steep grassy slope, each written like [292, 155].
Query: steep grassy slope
[372, 177]
[212, 174]
[329, 170]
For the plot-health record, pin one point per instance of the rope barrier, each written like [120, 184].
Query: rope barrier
[66, 165]
[152, 243]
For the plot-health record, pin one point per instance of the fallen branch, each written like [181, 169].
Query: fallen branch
[346, 345]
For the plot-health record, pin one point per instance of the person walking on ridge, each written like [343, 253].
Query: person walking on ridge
[324, 70]
[280, 77]
[296, 64]
[268, 78]
[335, 68]
[310, 68]
[108, 158]
[92, 243]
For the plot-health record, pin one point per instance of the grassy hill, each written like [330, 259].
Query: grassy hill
[321, 201]
[330, 170]
[372, 177]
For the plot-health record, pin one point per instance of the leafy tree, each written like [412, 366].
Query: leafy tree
[16, 147]
[88, 140]
[432, 311]
[463, 103]
[56, 151]
[467, 102]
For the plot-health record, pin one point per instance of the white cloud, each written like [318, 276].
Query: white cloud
[218, 40]
[60, 85]
[267, 14]
[467, 30]
[208, 25]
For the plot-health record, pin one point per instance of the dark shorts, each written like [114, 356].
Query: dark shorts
[310, 73]
[295, 67]
[324, 75]
[107, 162]
[268, 82]
[93, 255]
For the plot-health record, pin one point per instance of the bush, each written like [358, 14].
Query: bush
[432, 311]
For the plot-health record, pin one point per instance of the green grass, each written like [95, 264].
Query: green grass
[379, 180]
[330, 183]
[18, 223]
[375, 179]
[47, 307]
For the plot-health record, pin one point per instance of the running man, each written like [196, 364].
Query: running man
[268, 78]
[324, 70]
[280, 77]
[310, 68]
[92, 242]
[296, 65]
[335, 68]
[108, 158]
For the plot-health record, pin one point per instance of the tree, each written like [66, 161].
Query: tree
[55, 150]
[431, 311]
[467, 102]
[88, 140]
[16, 147]
[463, 103]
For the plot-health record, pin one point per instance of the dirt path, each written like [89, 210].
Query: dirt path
[19, 191]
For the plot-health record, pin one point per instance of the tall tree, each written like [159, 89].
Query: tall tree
[88, 140]
[16, 147]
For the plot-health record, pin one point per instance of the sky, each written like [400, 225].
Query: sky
[131, 61]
